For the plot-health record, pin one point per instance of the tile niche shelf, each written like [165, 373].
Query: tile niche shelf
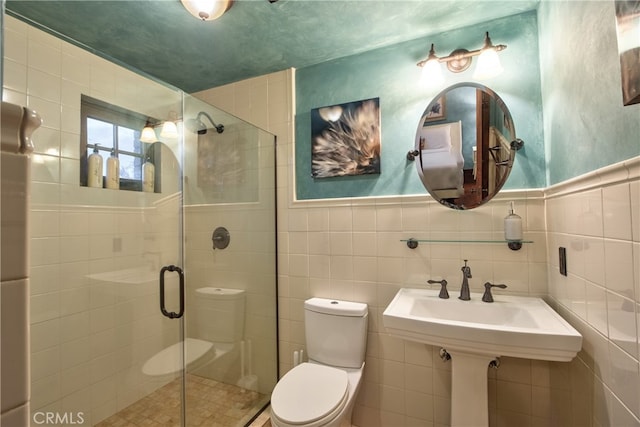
[514, 245]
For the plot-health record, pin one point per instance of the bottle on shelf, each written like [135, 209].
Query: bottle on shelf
[148, 175]
[94, 169]
[113, 171]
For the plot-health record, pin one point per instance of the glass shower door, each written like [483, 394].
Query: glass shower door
[230, 263]
[137, 329]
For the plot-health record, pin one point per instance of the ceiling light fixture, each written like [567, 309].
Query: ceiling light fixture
[460, 59]
[207, 10]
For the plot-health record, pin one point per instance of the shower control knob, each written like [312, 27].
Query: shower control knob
[220, 238]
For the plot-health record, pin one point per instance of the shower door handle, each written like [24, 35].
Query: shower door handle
[163, 309]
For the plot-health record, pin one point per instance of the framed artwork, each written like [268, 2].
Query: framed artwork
[438, 110]
[345, 139]
[628, 28]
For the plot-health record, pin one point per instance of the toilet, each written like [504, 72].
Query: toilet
[216, 327]
[322, 391]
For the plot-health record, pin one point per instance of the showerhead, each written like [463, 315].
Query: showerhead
[197, 125]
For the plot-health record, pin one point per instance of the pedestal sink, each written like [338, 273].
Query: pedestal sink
[474, 333]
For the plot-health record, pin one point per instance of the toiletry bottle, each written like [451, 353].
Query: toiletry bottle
[94, 169]
[113, 171]
[512, 226]
[148, 175]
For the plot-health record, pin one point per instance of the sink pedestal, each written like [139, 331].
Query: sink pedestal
[469, 395]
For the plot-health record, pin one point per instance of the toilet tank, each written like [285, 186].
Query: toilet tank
[336, 332]
[219, 314]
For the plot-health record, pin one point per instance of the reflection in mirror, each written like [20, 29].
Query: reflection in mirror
[465, 146]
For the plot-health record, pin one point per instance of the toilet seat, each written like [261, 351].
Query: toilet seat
[169, 361]
[310, 395]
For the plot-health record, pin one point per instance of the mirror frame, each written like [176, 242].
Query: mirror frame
[513, 142]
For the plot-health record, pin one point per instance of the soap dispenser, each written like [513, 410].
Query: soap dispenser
[113, 171]
[94, 169]
[148, 175]
[513, 229]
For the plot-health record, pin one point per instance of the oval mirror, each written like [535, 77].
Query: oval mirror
[465, 146]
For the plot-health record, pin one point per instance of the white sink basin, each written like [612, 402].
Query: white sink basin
[474, 333]
[510, 326]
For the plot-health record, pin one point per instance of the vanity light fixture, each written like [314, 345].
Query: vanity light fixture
[148, 134]
[460, 59]
[207, 10]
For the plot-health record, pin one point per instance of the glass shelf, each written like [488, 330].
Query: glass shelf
[413, 243]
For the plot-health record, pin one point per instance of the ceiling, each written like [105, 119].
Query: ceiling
[255, 37]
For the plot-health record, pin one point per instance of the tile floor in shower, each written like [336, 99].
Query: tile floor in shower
[209, 404]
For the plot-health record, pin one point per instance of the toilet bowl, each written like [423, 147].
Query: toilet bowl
[322, 392]
[218, 327]
[314, 395]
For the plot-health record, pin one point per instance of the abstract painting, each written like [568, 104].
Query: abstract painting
[628, 31]
[346, 139]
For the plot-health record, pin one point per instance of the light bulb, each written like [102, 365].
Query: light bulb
[432, 73]
[488, 65]
[148, 135]
[169, 130]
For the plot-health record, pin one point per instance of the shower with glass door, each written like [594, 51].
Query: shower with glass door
[218, 365]
[191, 329]
[149, 303]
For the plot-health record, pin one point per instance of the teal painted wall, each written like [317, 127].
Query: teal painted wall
[392, 75]
[586, 125]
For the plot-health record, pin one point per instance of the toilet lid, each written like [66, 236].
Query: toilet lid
[308, 393]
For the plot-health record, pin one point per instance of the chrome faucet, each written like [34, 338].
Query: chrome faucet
[466, 274]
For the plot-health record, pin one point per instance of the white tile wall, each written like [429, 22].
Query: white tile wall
[600, 294]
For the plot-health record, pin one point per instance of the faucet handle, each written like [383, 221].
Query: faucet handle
[466, 270]
[444, 294]
[487, 297]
